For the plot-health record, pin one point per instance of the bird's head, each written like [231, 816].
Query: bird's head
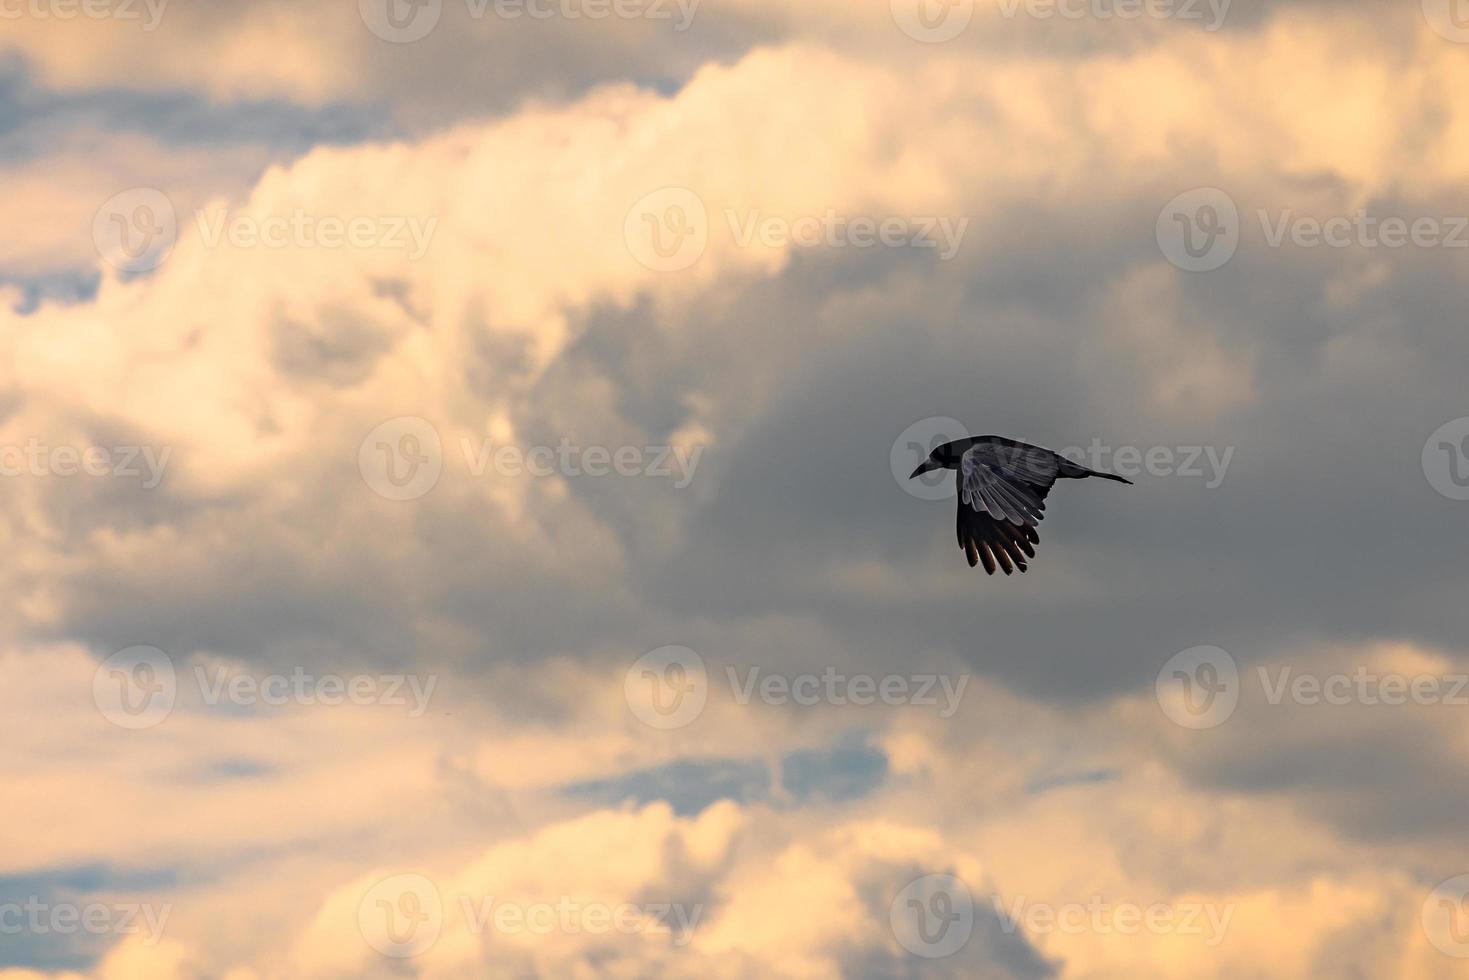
[944, 457]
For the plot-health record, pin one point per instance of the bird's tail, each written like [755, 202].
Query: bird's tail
[1072, 470]
[1110, 476]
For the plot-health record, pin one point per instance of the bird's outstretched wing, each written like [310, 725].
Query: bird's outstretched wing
[1009, 480]
[987, 540]
[1002, 492]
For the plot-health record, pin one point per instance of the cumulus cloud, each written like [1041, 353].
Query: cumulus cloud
[759, 266]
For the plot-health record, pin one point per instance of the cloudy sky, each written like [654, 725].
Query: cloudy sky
[453, 458]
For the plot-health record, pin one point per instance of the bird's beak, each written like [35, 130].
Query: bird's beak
[924, 467]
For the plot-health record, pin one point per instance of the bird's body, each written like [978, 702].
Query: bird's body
[1002, 487]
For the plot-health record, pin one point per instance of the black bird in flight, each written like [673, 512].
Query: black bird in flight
[1002, 492]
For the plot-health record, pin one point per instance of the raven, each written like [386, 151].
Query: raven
[1002, 492]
